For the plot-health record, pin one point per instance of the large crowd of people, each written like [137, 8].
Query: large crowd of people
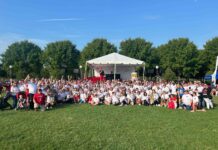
[43, 94]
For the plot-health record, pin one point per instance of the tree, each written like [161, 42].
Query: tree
[60, 58]
[169, 75]
[137, 48]
[181, 56]
[25, 57]
[96, 48]
[209, 54]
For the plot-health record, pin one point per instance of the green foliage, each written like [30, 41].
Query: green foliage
[2, 72]
[169, 75]
[60, 58]
[210, 53]
[136, 48]
[25, 57]
[96, 48]
[181, 56]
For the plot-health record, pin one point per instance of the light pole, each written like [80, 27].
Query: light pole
[80, 68]
[10, 67]
[157, 73]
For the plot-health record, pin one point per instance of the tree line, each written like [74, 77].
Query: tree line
[178, 58]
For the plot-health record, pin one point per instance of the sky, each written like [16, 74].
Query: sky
[157, 21]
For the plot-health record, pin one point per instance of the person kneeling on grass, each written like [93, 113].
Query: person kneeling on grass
[39, 100]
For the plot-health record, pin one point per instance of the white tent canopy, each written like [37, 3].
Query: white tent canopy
[121, 64]
[115, 58]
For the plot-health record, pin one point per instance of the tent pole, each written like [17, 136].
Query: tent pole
[115, 69]
[85, 76]
[143, 72]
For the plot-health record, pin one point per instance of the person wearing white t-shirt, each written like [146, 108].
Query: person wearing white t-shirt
[14, 91]
[156, 99]
[95, 99]
[107, 99]
[186, 101]
[83, 97]
[131, 98]
[138, 98]
[173, 89]
[115, 99]
[195, 101]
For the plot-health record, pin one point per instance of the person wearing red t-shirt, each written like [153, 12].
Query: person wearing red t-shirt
[172, 104]
[39, 100]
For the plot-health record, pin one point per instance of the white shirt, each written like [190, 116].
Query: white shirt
[187, 99]
[195, 99]
[14, 90]
[200, 89]
[115, 99]
[83, 96]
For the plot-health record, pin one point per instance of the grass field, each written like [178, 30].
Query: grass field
[108, 127]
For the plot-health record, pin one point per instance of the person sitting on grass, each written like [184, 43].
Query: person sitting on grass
[195, 101]
[115, 99]
[172, 104]
[186, 101]
[164, 99]
[39, 100]
[131, 97]
[21, 102]
[138, 98]
[83, 97]
[95, 99]
[145, 99]
[123, 99]
[107, 99]
[156, 98]
[50, 99]
[76, 97]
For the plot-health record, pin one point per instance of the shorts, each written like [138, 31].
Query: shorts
[50, 100]
[42, 107]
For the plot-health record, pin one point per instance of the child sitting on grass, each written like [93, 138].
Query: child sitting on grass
[21, 102]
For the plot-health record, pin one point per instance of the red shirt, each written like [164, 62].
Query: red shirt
[39, 98]
[173, 99]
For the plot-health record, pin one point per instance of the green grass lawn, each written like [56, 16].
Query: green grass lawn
[108, 127]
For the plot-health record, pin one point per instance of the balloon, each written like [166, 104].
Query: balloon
[32, 88]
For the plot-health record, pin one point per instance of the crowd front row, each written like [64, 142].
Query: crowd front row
[46, 93]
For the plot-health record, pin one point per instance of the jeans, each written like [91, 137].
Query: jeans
[5, 100]
[187, 107]
[201, 103]
[31, 100]
[14, 98]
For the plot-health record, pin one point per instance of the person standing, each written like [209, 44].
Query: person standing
[14, 91]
